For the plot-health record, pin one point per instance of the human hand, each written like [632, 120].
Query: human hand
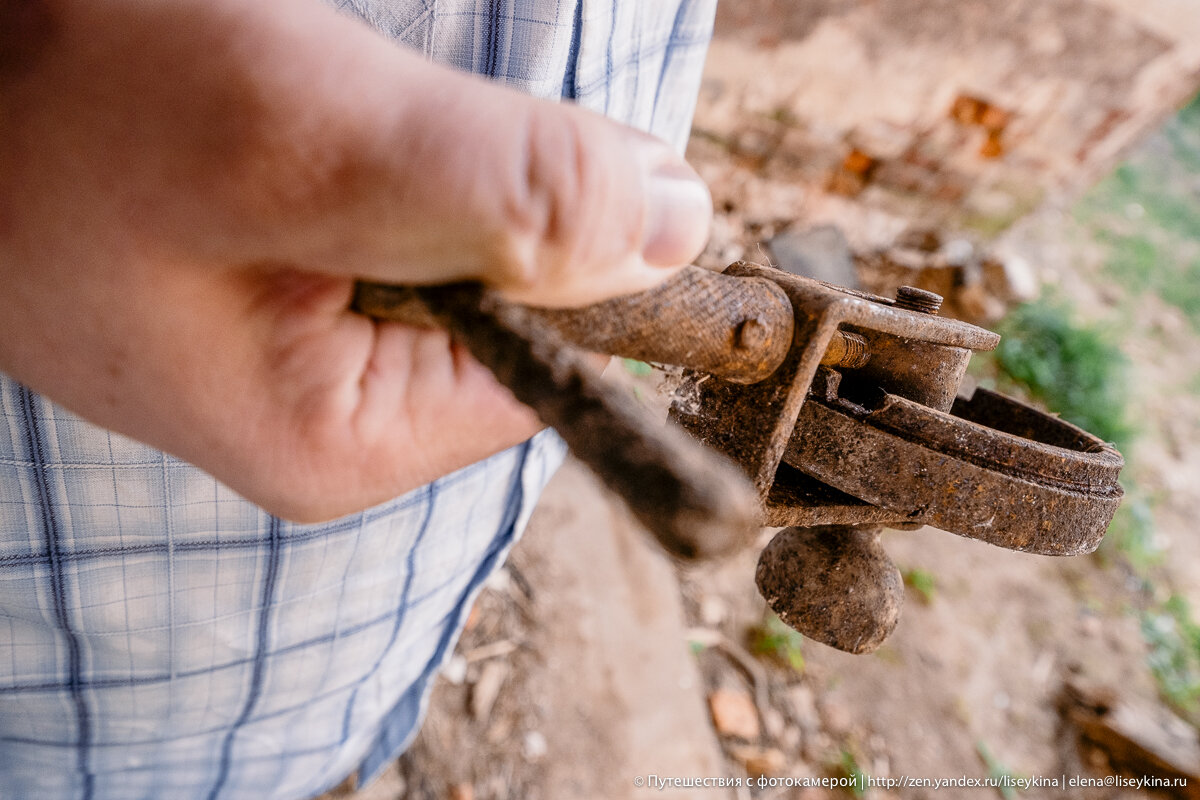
[189, 189]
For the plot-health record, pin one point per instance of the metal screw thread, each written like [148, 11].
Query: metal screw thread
[858, 352]
[914, 299]
[847, 350]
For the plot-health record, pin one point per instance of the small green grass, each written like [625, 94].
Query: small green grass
[1132, 260]
[1076, 369]
[848, 767]
[1174, 641]
[922, 581]
[1146, 214]
[1183, 133]
[638, 369]
[1167, 266]
[773, 638]
[998, 772]
[1132, 534]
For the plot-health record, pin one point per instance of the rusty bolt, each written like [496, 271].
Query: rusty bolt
[751, 334]
[914, 299]
[847, 350]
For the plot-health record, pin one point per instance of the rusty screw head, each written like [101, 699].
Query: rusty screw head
[751, 333]
[914, 299]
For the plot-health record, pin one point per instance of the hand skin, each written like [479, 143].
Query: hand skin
[188, 189]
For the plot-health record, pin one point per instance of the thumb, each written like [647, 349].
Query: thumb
[549, 203]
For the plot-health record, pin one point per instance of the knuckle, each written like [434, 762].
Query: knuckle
[563, 211]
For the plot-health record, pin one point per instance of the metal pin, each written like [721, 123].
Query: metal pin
[847, 350]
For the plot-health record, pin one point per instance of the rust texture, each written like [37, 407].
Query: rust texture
[697, 506]
[832, 583]
[841, 408]
[739, 330]
[847, 350]
[719, 418]
[1046, 487]
[840, 443]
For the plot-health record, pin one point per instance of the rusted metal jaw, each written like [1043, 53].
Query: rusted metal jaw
[840, 407]
[855, 446]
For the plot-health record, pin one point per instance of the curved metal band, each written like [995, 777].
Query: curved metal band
[992, 469]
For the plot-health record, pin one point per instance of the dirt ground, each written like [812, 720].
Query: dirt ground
[590, 660]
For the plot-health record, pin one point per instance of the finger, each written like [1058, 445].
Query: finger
[431, 175]
[569, 207]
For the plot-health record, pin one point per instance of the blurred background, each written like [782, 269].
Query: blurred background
[1038, 163]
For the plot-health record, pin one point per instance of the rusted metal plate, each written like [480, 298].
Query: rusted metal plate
[735, 328]
[696, 504]
[716, 411]
[799, 500]
[739, 329]
[749, 424]
[1040, 484]
[839, 406]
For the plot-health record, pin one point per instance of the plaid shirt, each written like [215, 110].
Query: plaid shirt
[160, 637]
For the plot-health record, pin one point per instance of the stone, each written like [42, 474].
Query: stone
[713, 610]
[734, 713]
[534, 746]
[820, 252]
[455, 670]
[773, 723]
[838, 718]
[758, 761]
[804, 707]
[487, 688]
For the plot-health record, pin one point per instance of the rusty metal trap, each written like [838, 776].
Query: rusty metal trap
[829, 412]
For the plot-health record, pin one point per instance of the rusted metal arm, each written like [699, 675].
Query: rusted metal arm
[695, 502]
[739, 329]
[840, 407]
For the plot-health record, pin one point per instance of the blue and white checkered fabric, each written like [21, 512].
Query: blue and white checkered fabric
[639, 62]
[162, 638]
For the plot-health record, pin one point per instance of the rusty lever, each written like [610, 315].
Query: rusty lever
[695, 502]
[738, 329]
[840, 407]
